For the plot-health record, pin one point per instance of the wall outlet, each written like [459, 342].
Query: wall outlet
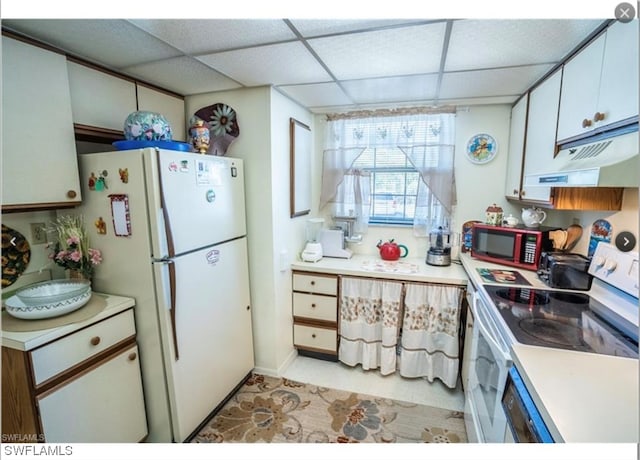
[38, 233]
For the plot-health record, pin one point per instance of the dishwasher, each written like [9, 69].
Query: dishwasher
[524, 422]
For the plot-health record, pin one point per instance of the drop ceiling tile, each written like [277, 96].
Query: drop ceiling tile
[114, 43]
[493, 82]
[283, 64]
[395, 89]
[183, 75]
[317, 95]
[204, 36]
[390, 52]
[481, 44]
[316, 27]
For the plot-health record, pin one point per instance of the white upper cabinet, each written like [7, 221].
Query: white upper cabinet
[600, 83]
[172, 107]
[39, 164]
[100, 99]
[516, 148]
[541, 134]
[619, 82]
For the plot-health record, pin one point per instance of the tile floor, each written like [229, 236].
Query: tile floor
[342, 377]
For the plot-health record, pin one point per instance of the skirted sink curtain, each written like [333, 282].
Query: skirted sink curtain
[393, 325]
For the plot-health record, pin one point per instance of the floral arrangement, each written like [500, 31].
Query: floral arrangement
[71, 251]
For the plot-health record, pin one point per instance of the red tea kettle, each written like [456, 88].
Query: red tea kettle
[391, 250]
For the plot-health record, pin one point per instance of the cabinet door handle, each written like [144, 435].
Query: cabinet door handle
[586, 123]
[132, 356]
[313, 305]
[248, 307]
[313, 336]
[599, 116]
[515, 191]
[95, 340]
[71, 194]
[522, 193]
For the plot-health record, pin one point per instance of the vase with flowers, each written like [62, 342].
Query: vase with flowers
[71, 251]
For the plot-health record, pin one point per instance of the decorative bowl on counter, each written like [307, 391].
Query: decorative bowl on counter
[49, 299]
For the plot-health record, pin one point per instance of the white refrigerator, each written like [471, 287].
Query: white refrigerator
[171, 227]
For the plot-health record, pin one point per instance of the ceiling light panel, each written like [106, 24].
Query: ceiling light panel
[377, 90]
[204, 36]
[476, 44]
[493, 82]
[183, 75]
[111, 42]
[284, 64]
[405, 51]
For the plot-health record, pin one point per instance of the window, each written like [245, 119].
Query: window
[394, 185]
[390, 166]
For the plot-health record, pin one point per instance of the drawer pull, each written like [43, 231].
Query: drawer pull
[132, 356]
[313, 336]
[313, 305]
[95, 341]
[313, 283]
[71, 194]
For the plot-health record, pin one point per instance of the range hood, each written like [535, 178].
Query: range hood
[606, 162]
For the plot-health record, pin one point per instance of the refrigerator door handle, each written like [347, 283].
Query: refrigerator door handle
[165, 212]
[172, 292]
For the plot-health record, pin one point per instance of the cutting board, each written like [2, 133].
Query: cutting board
[601, 230]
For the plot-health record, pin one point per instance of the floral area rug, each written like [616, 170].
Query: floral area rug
[278, 410]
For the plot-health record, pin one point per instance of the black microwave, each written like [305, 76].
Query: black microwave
[515, 246]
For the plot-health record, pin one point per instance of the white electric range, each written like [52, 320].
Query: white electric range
[601, 321]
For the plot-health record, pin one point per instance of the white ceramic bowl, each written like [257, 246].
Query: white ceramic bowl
[15, 307]
[52, 292]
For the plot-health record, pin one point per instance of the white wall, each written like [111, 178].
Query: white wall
[288, 233]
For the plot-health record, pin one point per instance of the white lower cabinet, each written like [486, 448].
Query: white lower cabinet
[105, 404]
[315, 314]
[85, 386]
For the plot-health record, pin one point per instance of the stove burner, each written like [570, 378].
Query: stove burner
[552, 332]
[523, 296]
[570, 297]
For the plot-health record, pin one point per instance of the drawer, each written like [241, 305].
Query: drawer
[315, 337]
[317, 284]
[60, 355]
[315, 306]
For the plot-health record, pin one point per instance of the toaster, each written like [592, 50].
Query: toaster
[560, 270]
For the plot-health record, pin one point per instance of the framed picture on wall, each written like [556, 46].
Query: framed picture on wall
[300, 175]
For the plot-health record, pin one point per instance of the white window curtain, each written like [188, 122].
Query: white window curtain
[426, 138]
[429, 344]
[369, 323]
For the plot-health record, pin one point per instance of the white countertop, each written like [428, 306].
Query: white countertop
[26, 341]
[582, 397]
[406, 269]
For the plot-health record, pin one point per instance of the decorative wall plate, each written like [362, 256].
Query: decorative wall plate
[16, 254]
[481, 148]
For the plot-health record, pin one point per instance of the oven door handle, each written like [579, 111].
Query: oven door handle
[480, 319]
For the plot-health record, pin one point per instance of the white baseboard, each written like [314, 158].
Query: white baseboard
[280, 370]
